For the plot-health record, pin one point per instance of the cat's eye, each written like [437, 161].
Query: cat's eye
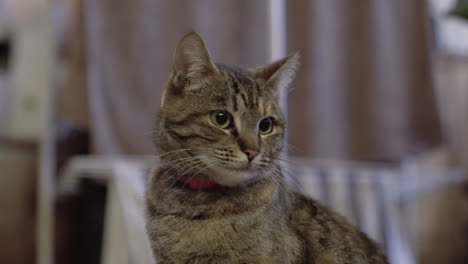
[266, 126]
[221, 119]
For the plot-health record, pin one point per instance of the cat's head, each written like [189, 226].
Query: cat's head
[222, 122]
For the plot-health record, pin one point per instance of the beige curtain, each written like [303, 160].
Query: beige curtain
[130, 46]
[364, 90]
[451, 78]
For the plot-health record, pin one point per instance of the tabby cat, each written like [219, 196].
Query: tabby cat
[218, 194]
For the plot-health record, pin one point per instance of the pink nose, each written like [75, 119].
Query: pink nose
[251, 154]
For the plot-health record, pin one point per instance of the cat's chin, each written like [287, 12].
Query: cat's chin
[231, 177]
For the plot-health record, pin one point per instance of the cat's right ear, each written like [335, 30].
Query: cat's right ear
[191, 60]
[278, 74]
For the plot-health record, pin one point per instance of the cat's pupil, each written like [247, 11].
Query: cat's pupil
[265, 124]
[221, 118]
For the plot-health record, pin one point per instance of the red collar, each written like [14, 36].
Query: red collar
[198, 184]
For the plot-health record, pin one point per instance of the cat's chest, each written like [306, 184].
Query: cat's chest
[223, 239]
[211, 233]
[226, 240]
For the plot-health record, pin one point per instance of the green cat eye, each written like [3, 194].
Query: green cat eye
[266, 126]
[221, 119]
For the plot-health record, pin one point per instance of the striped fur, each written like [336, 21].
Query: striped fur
[253, 217]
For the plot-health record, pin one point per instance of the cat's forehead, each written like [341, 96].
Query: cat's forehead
[239, 81]
[246, 97]
[233, 89]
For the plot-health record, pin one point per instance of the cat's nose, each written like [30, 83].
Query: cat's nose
[251, 154]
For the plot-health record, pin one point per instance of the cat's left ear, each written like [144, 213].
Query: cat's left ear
[191, 59]
[278, 74]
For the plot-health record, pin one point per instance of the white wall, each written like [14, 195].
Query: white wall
[30, 80]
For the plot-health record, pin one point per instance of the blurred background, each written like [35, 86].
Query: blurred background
[377, 117]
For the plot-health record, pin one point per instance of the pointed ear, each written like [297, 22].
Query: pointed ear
[191, 59]
[279, 74]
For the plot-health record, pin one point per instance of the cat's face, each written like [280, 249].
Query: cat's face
[227, 122]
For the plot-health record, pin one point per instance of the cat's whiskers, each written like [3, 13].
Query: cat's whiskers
[180, 150]
[187, 163]
[293, 147]
[166, 163]
[210, 164]
[286, 171]
[279, 172]
[285, 160]
[179, 172]
[179, 153]
[172, 169]
[200, 166]
[188, 167]
[168, 157]
[277, 175]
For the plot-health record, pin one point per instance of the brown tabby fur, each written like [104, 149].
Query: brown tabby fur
[253, 216]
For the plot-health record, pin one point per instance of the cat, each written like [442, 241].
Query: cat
[218, 194]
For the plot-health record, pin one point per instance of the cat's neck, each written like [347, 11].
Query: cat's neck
[197, 184]
[220, 201]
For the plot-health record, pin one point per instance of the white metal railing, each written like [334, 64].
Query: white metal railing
[380, 199]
